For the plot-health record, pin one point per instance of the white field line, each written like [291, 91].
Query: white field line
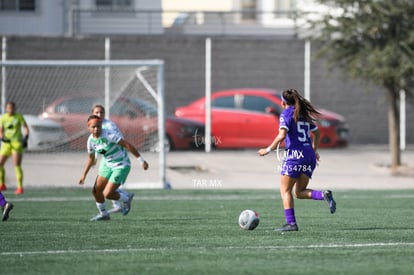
[196, 198]
[228, 197]
[174, 249]
[154, 198]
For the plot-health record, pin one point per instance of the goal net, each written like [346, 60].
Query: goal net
[56, 97]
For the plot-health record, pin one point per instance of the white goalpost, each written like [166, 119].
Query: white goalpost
[56, 96]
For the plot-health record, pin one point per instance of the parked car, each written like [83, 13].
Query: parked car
[44, 134]
[249, 118]
[136, 118]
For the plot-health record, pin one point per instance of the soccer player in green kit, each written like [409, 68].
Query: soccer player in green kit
[114, 167]
[13, 141]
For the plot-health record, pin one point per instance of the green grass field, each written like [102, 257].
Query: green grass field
[196, 232]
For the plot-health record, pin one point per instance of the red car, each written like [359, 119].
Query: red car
[249, 118]
[136, 118]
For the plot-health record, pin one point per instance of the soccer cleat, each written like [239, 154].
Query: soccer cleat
[3, 187]
[127, 205]
[101, 217]
[288, 227]
[19, 191]
[115, 209]
[327, 196]
[6, 210]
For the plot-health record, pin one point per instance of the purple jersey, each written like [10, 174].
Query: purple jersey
[300, 156]
[298, 135]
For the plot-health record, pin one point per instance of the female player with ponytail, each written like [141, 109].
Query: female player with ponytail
[297, 121]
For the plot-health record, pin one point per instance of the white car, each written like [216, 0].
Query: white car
[44, 134]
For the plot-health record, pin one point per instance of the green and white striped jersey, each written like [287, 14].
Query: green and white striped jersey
[114, 155]
[110, 126]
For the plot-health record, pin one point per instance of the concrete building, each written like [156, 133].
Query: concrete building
[151, 17]
[86, 17]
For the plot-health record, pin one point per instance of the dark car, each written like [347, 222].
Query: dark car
[136, 118]
[249, 118]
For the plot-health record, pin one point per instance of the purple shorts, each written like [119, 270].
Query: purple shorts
[299, 162]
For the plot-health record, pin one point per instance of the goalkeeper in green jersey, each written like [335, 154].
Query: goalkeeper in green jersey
[13, 141]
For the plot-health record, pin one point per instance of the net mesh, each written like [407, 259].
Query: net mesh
[56, 101]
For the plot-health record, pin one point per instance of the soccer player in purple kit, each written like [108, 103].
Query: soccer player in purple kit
[6, 207]
[296, 124]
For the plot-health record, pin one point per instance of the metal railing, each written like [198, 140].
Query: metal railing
[151, 22]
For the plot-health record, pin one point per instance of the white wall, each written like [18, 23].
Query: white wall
[198, 5]
[138, 4]
[48, 19]
[119, 22]
[51, 19]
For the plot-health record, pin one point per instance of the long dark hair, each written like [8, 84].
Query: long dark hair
[303, 108]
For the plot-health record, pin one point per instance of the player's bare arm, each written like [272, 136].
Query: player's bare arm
[1, 133]
[25, 129]
[278, 139]
[135, 152]
[89, 163]
[315, 142]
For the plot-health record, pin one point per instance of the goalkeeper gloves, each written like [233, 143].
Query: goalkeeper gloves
[25, 139]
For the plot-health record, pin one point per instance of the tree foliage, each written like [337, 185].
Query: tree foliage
[370, 39]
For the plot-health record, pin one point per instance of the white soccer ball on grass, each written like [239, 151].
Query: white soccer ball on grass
[249, 219]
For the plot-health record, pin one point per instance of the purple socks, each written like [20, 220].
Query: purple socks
[290, 213]
[317, 195]
[2, 200]
[290, 216]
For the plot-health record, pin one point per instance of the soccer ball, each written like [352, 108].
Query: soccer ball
[249, 219]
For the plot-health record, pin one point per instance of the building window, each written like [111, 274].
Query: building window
[249, 9]
[284, 8]
[17, 5]
[284, 5]
[113, 4]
